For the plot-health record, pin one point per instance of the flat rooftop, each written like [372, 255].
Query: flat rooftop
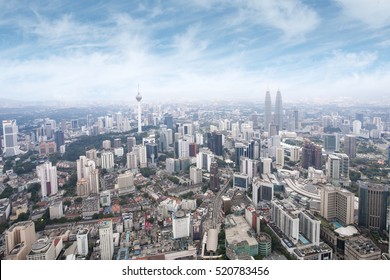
[238, 231]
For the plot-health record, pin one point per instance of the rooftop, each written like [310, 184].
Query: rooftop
[238, 231]
[362, 245]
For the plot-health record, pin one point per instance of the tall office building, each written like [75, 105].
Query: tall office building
[139, 98]
[249, 167]
[279, 110]
[215, 142]
[265, 165]
[311, 155]
[337, 168]
[294, 121]
[19, 239]
[331, 142]
[10, 134]
[388, 155]
[168, 120]
[350, 145]
[180, 224]
[267, 111]
[204, 159]
[131, 142]
[337, 203]
[82, 242]
[356, 127]
[47, 174]
[262, 190]
[59, 139]
[373, 205]
[214, 177]
[106, 239]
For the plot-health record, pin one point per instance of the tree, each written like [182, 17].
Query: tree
[8, 191]
[147, 172]
[354, 175]
[23, 217]
[67, 203]
[78, 200]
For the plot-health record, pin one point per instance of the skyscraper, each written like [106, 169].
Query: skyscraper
[47, 174]
[373, 205]
[59, 139]
[106, 239]
[10, 134]
[139, 98]
[180, 224]
[215, 142]
[311, 155]
[331, 142]
[267, 111]
[131, 142]
[279, 110]
[350, 145]
[214, 178]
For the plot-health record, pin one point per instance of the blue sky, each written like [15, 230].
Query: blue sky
[184, 50]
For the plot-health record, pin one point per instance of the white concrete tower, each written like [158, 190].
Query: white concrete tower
[139, 98]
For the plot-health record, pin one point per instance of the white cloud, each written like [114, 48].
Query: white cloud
[293, 18]
[340, 61]
[376, 13]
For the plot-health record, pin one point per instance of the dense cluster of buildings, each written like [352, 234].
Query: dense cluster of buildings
[172, 191]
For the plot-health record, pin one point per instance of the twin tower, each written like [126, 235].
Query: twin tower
[278, 113]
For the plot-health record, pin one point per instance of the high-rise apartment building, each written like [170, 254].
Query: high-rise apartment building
[107, 160]
[195, 175]
[311, 155]
[10, 134]
[132, 160]
[47, 174]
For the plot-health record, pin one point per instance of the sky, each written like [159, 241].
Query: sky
[100, 51]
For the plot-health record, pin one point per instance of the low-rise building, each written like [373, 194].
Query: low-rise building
[361, 248]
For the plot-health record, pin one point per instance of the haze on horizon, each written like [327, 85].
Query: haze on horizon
[206, 49]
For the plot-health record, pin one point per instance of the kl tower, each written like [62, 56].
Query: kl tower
[139, 98]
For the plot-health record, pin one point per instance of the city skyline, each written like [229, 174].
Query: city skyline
[204, 49]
